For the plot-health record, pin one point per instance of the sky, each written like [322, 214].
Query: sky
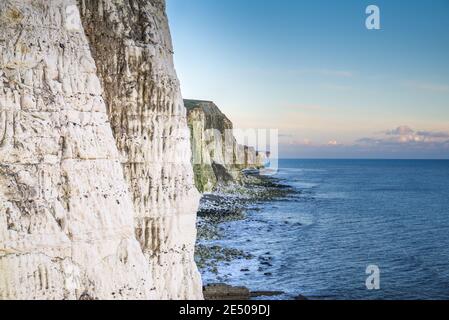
[312, 70]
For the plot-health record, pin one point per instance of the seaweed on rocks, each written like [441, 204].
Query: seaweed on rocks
[230, 203]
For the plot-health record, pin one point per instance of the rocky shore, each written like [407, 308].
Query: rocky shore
[227, 204]
[221, 291]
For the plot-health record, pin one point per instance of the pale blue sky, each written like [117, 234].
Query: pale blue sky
[312, 70]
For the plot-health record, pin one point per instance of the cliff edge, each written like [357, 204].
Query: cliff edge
[216, 156]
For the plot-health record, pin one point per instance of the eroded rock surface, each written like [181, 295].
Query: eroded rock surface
[132, 47]
[66, 216]
[217, 157]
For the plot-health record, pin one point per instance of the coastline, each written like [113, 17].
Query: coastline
[226, 205]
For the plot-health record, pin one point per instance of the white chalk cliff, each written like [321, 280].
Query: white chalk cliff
[218, 159]
[96, 189]
[132, 47]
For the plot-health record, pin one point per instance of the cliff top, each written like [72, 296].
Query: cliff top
[194, 103]
[207, 106]
[214, 117]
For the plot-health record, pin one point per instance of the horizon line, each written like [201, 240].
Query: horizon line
[393, 159]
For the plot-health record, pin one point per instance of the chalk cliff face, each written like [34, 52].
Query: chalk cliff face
[217, 157]
[66, 216]
[132, 47]
[97, 199]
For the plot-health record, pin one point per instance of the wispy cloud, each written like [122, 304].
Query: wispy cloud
[404, 135]
[307, 107]
[284, 135]
[433, 134]
[335, 73]
[290, 139]
[337, 87]
[326, 73]
[430, 87]
[399, 131]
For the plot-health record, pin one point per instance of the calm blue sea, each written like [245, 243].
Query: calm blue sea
[349, 214]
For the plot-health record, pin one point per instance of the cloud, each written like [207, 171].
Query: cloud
[399, 131]
[337, 87]
[404, 135]
[325, 72]
[290, 139]
[431, 134]
[307, 107]
[284, 135]
[335, 73]
[306, 142]
[402, 142]
[369, 141]
[432, 87]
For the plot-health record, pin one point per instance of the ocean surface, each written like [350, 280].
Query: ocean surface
[348, 214]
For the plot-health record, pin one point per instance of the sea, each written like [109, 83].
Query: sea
[355, 229]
